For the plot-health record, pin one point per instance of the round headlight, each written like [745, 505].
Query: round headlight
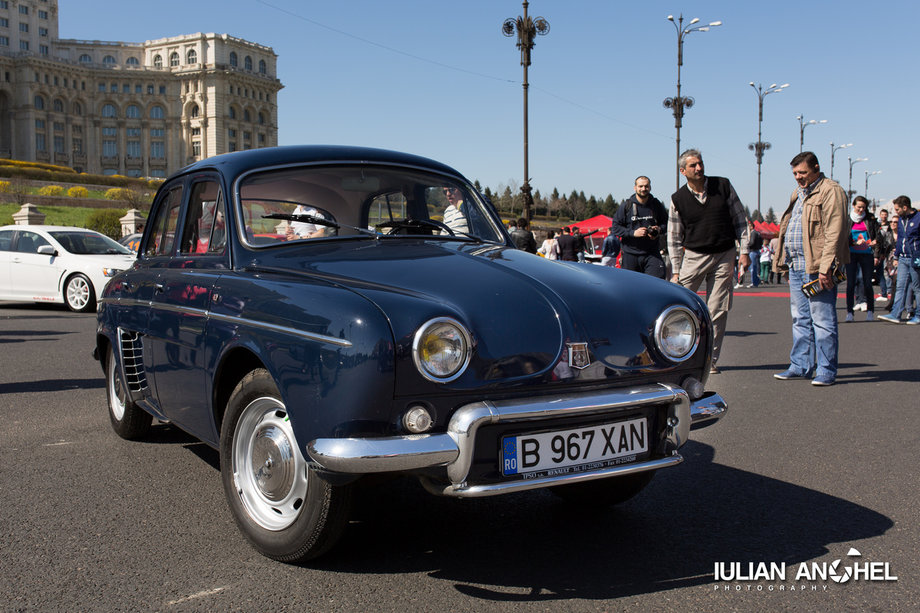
[441, 349]
[677, 333]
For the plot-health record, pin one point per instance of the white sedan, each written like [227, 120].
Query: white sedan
[58, 264]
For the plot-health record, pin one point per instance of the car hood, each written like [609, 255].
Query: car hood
[523, 311]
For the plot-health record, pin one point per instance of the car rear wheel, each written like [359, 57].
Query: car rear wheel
[128, 420]
[604, 492]
[78, 294]
[283, 508]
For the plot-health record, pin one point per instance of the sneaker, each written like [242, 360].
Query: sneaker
[822, 381]
[861, 306]
[789, 374]
[913, 321]
[870, 316]
[749, 285]
[737, 285]
[849, 318]
[889, 318]
[881, 299]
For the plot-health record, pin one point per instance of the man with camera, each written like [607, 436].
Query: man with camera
[639, 224]
[705, 220]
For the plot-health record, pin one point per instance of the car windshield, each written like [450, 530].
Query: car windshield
[89, 243]
[317, 202]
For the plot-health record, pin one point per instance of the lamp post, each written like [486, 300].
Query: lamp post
[850, 191]
[869, 174]
[834, 150]
[526, 29]
[804, 124]
[759, 147]
[678, 103]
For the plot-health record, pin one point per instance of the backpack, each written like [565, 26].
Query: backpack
[756, 241]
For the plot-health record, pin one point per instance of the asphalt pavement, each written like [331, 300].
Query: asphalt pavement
[794, 475]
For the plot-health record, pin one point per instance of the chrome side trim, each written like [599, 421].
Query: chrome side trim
[242, 321]
[454, 449]
[493, 489]
[707, 410]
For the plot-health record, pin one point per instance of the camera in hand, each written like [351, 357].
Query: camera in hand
[653, 231]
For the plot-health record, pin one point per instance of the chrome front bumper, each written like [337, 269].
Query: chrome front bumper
[454, 448]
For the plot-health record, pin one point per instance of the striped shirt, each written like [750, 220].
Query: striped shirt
[793, 241]
[455, 219]
[676, 226]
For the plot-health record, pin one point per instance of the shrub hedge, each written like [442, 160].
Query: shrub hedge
[106, 221]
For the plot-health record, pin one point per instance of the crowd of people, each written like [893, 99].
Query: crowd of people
[705, 237]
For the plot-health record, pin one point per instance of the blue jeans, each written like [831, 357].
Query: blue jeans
[908, 281]
[755, 267]
[814, 328]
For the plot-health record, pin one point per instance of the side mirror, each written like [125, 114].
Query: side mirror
[47, 250]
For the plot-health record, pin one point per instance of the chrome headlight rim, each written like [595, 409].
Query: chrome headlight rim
[660, 327]
[467, 349]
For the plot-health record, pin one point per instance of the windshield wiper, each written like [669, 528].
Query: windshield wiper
[424, 223]
[319, 221]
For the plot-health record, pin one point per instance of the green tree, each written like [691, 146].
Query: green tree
[771, 216]
[106, 221]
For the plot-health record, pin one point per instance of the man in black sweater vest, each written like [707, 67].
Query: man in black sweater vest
[705, 220]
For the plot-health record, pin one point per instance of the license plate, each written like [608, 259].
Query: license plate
[574, 450]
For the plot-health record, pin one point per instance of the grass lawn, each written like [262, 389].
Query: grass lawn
[55, 215]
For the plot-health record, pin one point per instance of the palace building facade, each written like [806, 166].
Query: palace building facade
[134, 109]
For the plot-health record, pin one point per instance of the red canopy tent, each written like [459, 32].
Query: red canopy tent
[598, 222]
[767, 230]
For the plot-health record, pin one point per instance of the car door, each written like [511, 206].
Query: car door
[6, 254]
[34, 275]
[181, 304]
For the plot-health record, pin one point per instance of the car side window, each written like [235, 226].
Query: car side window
[165, 225]
[205, 228]
[29, 242]
[387, 207]
[6, 240]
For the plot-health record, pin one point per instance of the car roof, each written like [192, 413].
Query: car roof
[43, 228]
[242, 161]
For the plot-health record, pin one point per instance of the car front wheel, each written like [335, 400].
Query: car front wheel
[78, 294]
[604, 492]
[128, 420]
[283, 508]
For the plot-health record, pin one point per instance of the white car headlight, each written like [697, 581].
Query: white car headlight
[110, 272]
[441, 349]
[677, 333]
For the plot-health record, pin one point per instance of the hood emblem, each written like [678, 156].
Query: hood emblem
[578, 355]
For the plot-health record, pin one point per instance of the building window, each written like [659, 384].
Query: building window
[196, 148]
[246, 116]
[86, 59]
[261, 140]
[157, 150]
[43, 31]
[108, 60]
[4, 41]
[113, 88]
[150, 89]
[247, 63]
[231, 133]
[157, 133]
[132, 61]
[4, 4]
[4, 22]
[262, 68]
[158, 61]
[39, 103]
[44, 50]
[247, 136]
[162, 90]
[233, 60]
[58, 105]
[158, 173]
[196, 131]
[132, 112]
[261, 118]
[138, 88]
[157, 112]
[134, 148]
[59, 144]
[133, 132]
[109, 131]
[231, 146]
[109, 148]
[102, 87]
[58, 126]
[39, 124]
[77, 129]
[126, 88]
[191, 57]
[232, 113]
[174, 59]
[195, 110]
[77, 109]
[23, 27]
[77, 145]
[109, 110]
[40, 144]
[23, 9]
[43, 14]
[23, 45]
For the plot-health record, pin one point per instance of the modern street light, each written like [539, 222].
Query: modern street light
[850, 191]
[678, 103]
[833, 151]
[869, 174]
[804, 124]
[526, 29]
[759, 147]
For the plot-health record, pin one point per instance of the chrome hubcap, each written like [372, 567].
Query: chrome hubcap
[77, 292]
[116, 391]
[268, 469]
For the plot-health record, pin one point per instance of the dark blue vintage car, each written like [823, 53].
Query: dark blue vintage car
[323, 313]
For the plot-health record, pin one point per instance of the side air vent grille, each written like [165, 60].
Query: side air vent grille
[132, 357]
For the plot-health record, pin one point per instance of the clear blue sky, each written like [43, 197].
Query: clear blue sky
[437, 78]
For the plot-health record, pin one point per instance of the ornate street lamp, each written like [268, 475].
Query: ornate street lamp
[679, 103]
[526, 29]
[759, 147]
[833, 151]
[850, 191]
[869, 174]
[804, 124]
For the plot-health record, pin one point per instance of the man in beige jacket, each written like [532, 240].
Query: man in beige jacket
[813, 245]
